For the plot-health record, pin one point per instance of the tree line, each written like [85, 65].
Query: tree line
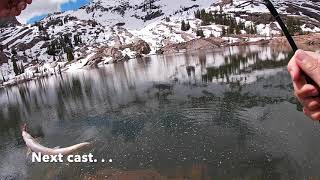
[234, 26]
[17, 68]
[64, 44]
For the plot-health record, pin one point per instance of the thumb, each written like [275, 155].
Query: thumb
[309, 65]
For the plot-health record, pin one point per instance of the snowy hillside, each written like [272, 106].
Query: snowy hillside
[106, 31]
[137, 14]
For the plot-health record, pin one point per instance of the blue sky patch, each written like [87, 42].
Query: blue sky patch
[73, 5]
[36, 19]
[64, 7]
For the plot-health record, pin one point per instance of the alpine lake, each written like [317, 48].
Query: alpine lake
[225, 113]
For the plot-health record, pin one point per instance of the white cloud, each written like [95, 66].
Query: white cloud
[41, 7]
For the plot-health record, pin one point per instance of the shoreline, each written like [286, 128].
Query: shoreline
[310, 42]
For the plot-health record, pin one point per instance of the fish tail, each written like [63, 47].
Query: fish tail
[71, 149]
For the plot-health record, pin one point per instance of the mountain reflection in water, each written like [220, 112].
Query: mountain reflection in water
[225, 113]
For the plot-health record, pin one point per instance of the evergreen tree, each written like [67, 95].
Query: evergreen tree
[51, 50]
[70, 56]
[15, 66]
[13, 51]
[200, 33]
[3, 78]
[59, 69]
[224, 31]
[203, 14]
[231, 30]
[238, 30]
[210, 17]
[252, 29]
[21, 68]
[197, 14]
[188, 26]
[294, 25]
[206, 18]
[67, 40]
[215, 17]
[77, 40]
[183, 26]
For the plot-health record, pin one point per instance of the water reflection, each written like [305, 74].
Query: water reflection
[226, 113]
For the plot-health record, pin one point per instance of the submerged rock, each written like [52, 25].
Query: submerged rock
[163, 86]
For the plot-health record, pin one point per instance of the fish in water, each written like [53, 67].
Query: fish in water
[38, 148]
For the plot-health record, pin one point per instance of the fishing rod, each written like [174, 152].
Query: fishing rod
[284, 28]
[290, 39]
[286, 32]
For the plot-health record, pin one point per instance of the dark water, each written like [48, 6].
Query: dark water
[220, 114]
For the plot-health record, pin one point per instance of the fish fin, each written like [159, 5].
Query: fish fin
[29, 152]
[56, 147]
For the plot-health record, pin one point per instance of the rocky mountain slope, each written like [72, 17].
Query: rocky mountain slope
[106, 31]
[136, 13]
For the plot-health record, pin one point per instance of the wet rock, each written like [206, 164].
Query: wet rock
[29, 45]
[274, 27]
[305, 9]
[23, 32]
[140, 47]
[196, 44]
[94, 60]
[114, 53]
[159, 51]
[309, 42]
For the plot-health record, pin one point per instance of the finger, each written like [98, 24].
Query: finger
[29, 1]
[307, 91]
[315, 115]
[299, 83]
[309, 65]
[313, 54]
[294, 69]
[22, 6]
[312, 103]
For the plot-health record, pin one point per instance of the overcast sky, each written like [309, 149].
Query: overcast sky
[43, 7]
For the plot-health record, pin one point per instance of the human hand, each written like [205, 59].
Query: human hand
[12, 7]
[307, 94]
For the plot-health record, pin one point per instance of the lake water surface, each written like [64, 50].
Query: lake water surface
[219, 114]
